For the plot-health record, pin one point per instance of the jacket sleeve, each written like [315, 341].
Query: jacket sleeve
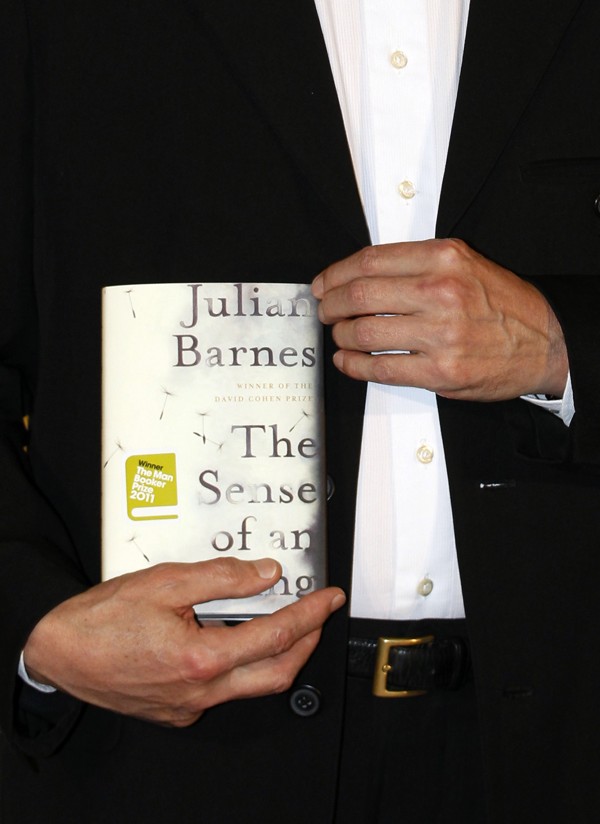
[576, 303]
[38, 567]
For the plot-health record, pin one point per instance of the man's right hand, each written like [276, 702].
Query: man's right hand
[132, 644]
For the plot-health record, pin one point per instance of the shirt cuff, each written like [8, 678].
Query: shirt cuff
[563, 407]
[35, 684]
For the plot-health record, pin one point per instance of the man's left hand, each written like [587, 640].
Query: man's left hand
[444, 318]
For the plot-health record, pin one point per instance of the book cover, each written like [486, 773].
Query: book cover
[212, 432]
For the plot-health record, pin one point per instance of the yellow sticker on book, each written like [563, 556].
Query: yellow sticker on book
[151, 486]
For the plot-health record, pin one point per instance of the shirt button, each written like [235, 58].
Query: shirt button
[398, 60]
[407, 189]
[425, 587]
[424, 454]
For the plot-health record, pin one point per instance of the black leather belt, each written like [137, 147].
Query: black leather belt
[405, 667]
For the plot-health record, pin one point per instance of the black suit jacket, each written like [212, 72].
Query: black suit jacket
[194, 139]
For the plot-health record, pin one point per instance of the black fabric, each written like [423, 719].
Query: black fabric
[414, 759]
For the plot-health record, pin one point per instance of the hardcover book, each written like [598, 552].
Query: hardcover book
[212, 432]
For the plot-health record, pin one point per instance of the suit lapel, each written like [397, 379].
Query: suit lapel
[508, 46]
[278, 54]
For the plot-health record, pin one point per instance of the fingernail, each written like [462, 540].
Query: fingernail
[338, 360]
[338, 601]
[266, 567]
[317, 286]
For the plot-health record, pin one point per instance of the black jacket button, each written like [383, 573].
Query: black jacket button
[305, 701]
[597, 205]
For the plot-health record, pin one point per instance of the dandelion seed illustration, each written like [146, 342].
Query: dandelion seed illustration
[129, 291]
[206, 440]
[304, 415]
[203, 436]
[119, 447]
[167, 395]
[133, 540]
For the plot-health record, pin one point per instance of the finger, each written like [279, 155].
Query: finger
[265, 677]
[377, 261]
[414, 369]
[269, 635]
[182, 585]
[376, 333]
[258, 657]
[364, 297]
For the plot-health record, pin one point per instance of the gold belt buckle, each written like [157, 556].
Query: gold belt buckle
[383, 667]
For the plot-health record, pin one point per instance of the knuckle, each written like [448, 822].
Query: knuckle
[453, 374]
[202, 665]
[451, 288]
[369, 260]
[451, 338]
[228, 570]
[383, 369]
[180, 720]
[452, 252]
[282, 680]
[365, 332]
[358, 294]
[452, 293]
[452, 267]
[282, 639]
